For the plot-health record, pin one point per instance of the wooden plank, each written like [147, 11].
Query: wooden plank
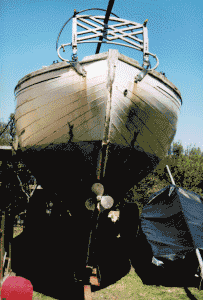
[87, 292]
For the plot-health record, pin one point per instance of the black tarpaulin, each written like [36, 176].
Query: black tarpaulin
[172, 222]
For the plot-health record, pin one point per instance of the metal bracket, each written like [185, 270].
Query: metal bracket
[78, 68]
[141, 75]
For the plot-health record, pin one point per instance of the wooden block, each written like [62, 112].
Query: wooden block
[94, 280]
[87, 292]
[94, 271]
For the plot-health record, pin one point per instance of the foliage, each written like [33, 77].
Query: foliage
[9, 134]
[186, 167]
[7, 168]
[6, 140]
[176, 149]
[5, 137]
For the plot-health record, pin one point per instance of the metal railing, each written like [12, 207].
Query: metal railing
[119, 32]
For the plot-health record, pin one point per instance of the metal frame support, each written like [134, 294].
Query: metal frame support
[200, 265]
[169, 172]
[74, 39]
[146, 62]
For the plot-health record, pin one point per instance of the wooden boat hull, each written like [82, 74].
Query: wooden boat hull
[64, 119]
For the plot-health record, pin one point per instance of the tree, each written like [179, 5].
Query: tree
[193, 151]
[7, 131]
[186, 169]
[12, 126]
[177, 149]
[170, 151]
[5, 136]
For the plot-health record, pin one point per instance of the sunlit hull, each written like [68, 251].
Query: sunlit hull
[58, 108]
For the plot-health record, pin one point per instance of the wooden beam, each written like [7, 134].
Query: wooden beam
[87, 292]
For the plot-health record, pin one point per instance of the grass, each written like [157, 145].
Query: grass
[131, 287]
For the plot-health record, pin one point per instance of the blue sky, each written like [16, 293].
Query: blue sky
[29, 29]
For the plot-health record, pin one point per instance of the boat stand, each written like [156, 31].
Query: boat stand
[93, 281]
[102, 204]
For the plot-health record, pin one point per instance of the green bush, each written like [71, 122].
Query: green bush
[186, 167]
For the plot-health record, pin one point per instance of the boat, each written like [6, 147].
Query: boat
[88, 131]
[105, 119]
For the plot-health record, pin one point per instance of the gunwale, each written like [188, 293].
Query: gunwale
[62, 65]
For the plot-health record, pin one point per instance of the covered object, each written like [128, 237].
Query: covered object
[171, 229]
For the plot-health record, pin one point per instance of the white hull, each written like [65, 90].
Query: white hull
[56, 105]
